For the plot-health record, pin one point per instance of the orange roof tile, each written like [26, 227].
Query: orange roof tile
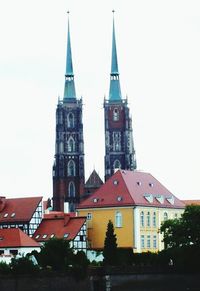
[19, 209]
[127, 188]
[15, 237]
[58, 225]
[191, 202]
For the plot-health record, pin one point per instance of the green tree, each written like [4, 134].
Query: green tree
[55, 253]
[184, 231]
[23, 265]
[110, 251]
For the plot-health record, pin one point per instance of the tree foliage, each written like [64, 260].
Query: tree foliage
[184, 231]
[56, 254]
[110, 251]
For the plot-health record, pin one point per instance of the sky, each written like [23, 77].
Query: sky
[158, 46]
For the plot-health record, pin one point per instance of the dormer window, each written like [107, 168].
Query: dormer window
[115, 182]
[139, 183]
[66, 235]
[13, 214]
[37, 236]
[44, 236]
[151, 184]
[119, 198]
[95, 200]
[5, 215]
[52, 235]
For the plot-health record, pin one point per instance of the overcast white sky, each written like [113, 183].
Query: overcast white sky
[158, 44]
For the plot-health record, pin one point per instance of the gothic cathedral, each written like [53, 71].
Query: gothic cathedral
[68, 169]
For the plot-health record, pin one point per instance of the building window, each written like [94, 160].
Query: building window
[154, 219]
[70, 120]
[116, 165]
[118, 219]
[71, 189]
[115, 114]
[71, 168]
[142, 242]
[116, 141]
[165, 216]
[89, 216]
[142, 219]
[148, 219]
[154, 242]
[148, 241]
[71, 145]
[14, 252]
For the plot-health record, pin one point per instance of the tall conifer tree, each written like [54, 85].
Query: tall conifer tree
[110, 246]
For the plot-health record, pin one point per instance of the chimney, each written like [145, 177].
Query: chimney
[66, 207]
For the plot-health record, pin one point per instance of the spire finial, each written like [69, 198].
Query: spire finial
[69, 91]
[115, 91]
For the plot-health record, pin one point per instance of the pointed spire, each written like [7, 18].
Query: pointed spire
[115, 90]
[69, 90]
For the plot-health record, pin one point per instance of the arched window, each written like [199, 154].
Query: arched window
[71, 145]
[142, 219]
[115, 114]
[165, 216]
[148, 218]
[71, 190]
[70, 120]
[116, 164]
[116, 141]
[154, 219]
[118, 219]
[71, 169]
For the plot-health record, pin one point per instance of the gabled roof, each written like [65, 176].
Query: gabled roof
[94, 181]
[191, 202]
[60, 225]
[19, 209]
[130, 188]
[15, 237]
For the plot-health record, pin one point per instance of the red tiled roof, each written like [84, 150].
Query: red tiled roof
[15, 237]
[19, 209]
[191, 202]
[126, 188]
[58, 224]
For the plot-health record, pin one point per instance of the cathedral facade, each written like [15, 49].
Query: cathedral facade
[68, 168]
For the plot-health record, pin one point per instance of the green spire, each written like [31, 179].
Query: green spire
[115, 90]
[69, 90]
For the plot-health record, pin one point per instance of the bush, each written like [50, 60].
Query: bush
[23, 265]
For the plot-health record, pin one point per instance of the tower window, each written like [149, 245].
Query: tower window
[71, 145]
[71, 170]
[116, 141]
[115, 114]
[71, 189]
[70, 120]
[116, 165]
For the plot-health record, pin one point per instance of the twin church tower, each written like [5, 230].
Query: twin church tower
[68, 169]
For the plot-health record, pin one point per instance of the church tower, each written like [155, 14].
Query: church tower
[68, 168]
[119, 147]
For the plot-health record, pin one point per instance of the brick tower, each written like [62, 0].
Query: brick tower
[119, 146]
[68, 168]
